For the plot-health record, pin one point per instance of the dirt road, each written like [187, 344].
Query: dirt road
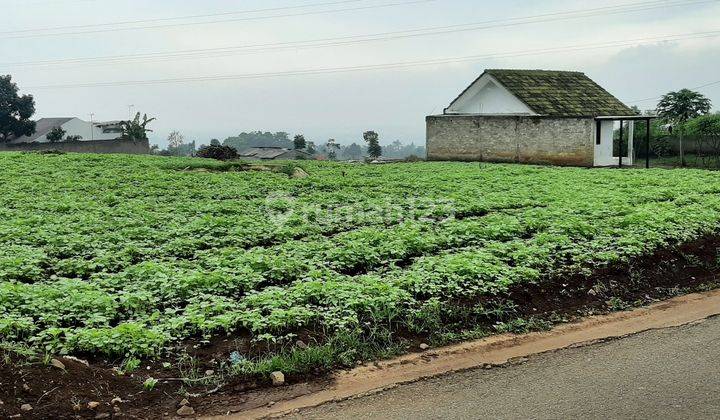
[667, 373]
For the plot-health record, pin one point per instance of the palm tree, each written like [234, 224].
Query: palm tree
[136, 129]
[679, 107]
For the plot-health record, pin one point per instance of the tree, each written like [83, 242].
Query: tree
[679, 107]
[175, 139]
[353, 151]
[706, 130]
[299, 142]
[311, 148]
[332, 147]
[15, 111]
[373, 141]
[56, 134]
[136, 129]
[214, 142]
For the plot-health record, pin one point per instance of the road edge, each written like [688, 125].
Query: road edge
[496, 350]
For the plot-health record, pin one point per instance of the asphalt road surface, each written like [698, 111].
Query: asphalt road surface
[671, 373]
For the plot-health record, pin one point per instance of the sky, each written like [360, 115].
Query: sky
[215, 68]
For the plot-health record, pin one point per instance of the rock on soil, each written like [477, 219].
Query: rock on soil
[424, 346]
[26, 407]
[58, 364]
[184, 402]
[278, 378]
[299, 173]
[93, 405]
[185, 411]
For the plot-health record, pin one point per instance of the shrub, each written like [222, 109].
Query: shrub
[218, 152]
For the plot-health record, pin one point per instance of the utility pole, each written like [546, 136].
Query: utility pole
[92, 126]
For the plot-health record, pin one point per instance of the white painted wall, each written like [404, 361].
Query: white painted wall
[487, 96]
[82, 128]
[604, 150]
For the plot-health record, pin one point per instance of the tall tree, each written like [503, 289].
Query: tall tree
[15, 111]
[373, 141]
[214, 142]
[299, 142]
[136, 129]
[679, 107]
[332, 148]
[175, 139]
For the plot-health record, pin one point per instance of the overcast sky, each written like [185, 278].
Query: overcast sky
[639, 63]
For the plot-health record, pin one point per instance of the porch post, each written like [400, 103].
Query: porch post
[620, 145]
[647, 143]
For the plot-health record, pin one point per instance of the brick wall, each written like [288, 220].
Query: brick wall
[129, 147]
[542, 140]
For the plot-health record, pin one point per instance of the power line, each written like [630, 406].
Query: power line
[655, 98]
[354, 39]
[172, 25]
[142, 21]
[385, 66]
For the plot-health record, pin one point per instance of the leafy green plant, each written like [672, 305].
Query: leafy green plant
[131, 256]
[150, 383]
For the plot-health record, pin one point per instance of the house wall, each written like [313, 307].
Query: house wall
[84, 129]
[129, 147]
[488, 96]
[523, 139]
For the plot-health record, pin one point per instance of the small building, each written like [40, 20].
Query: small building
[274, 153]
[79, 136]
[532, 116]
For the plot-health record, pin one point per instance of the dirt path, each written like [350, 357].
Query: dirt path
[497, 350]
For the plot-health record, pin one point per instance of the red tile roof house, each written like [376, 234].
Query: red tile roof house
[532, 116]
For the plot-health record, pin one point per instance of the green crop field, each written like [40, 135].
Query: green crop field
[122, 256]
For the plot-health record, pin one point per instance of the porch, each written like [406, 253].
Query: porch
[606, 154]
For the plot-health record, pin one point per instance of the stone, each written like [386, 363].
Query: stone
[93, 405]
[278, 378]
[58, 364]
[26, 387]
[102, 415]
[270, 403]
[299, 173]
[209, 372]
[26, 407]
[185, 411]
[184, 402]
[75, 359]
[424, 346]
[116, 400]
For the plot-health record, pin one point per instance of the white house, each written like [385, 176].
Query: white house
[533, 116]
[73, 127]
